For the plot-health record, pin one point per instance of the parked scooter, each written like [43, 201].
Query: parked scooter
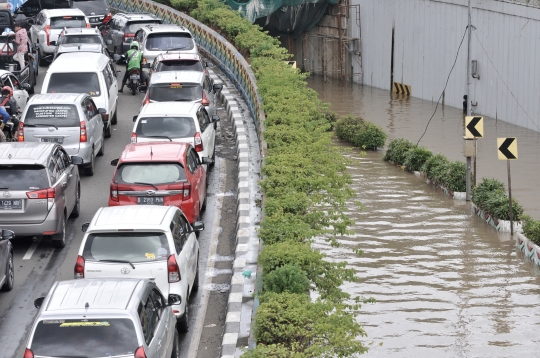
[11, 127]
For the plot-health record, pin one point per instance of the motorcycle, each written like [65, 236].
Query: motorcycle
[134, 80]
[11, 127]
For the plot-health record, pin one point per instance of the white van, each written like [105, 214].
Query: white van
[86, 73]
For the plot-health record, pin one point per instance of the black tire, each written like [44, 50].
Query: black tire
[176, 346]
[114, 119]
[77, 208]
[182, 323]
[107, 133]
[213, 156]
[59, 240]
[196, 281]
[91, 169]
[203, 207]
[10, 274]
[133, 89]
[102, 149]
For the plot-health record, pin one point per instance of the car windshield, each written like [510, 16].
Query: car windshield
[180, 65]
[74, 82]
[89, 338]
[132, 247]
[82, 39]
[67, 21]
[172, 127]
[168, 41]
[151, 173]
[170, 92]
[60, 115]
[23, 177]
[133, 27]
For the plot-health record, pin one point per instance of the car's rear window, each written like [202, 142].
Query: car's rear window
[74, 82]
[132, 247]
[169, 41]
[23, 177]
[89, 338]
[81, 39]
[60, 115]
[172, 127]
[67, 21]
[133, 27]
[151, 173]
[180, 65]
[170, 92]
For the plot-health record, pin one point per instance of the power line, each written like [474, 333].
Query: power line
[454, 65]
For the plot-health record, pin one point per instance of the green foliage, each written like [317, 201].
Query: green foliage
[490, 196]
[436, 168]
[272, 351]
[483, 191]
[360, 132]
[531, 228]
[397, 150]
[287, 278]
[415, 158]
[456, 176]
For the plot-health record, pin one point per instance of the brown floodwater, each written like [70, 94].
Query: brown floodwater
[446, 283]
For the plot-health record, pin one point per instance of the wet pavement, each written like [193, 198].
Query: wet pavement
[446, 283]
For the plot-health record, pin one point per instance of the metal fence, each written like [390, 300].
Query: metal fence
[532, 3]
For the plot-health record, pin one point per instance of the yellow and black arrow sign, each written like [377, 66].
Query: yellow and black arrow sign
[474, 127]
[507, 148]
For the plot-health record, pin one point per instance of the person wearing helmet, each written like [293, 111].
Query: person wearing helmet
[134, 59]
[7, 101]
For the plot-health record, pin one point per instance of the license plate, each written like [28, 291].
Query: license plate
[58, 140]
[150, 200]
[135, 77]
[10, 204]
[94, 19]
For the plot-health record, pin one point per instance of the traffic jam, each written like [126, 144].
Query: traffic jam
[138, 261]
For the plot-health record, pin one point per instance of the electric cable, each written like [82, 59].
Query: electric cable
[437, 106]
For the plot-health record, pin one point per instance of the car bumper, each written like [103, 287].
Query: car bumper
[49, 225]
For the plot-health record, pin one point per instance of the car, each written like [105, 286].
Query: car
[120, 30]
[177, 61]
[89, 73]
[69, 119]
[186, 86]
[7, 270]
[26, 13]
[97, 11]
[144, 242]
[40, 189]
[178, 122]
[160, 173]
[155, 39]
[80, 35]
[117, 317]
[20, 90]
[48, 26]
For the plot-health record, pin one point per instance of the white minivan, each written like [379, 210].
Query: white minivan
[86, 73]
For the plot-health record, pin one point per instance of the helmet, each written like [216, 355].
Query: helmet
[7, 91]
[134, 45]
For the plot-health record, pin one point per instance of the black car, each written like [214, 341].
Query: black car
[97, 11]
[25, 14]
[120, 31]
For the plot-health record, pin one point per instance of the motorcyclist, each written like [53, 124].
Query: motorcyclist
[8, 102]
[134, 59]
[5, 116]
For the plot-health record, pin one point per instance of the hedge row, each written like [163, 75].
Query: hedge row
[490, 195]
[360, 132]
[306, 185]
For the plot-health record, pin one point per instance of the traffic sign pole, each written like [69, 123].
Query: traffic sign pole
[510, 199]
[475, 154]
[508, 150]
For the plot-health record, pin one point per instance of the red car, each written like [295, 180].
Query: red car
[160, 173]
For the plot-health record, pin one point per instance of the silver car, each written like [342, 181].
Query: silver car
[7, 270]
[39, 189]
[69, 119]
[114, 317]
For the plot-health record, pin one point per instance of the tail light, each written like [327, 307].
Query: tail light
[173, 269]
[139, 353]
[28, 353]
[146, 99]
[48, 193]
[83, 137]
[20, 134]
[186, 194]
[114, 192]
[205, 101]
[88, 25]
[79, 267]
[128, 37]
[48, 34]
[133, 137]
[198, 142]
[107, 18]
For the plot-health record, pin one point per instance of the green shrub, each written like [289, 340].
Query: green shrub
[483, 191]
[397, 150]
[347, 127]
[456, 176]
[436, 168]
[287, 278]
[360, 132]
[531, 228]
[498, 206]
[272, 351]
[416, 157]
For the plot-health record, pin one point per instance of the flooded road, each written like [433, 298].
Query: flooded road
[446, 284]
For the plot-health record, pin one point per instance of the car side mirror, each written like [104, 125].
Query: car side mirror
[77, 160]
[114, 162]
[84, 227]
[26, 86]
[218, 87]
[197, 226]
[7, 235]
[38, 302]
[215, 118]
[135, 118]
[143, 89]
[174, 299]
[116, 57]
[206, 160]
[102, 111]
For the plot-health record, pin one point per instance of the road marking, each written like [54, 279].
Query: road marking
[31, 249]
[214, 235]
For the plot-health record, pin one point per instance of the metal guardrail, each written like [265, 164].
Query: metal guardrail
[532, 3]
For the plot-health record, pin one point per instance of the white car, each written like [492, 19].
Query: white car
[144, 241]
[177, 122]
[19, 93]
[49, 24]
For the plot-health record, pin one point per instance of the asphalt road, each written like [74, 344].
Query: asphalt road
[38, 264]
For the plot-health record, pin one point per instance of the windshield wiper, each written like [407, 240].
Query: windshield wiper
[159, 136]
[40, 125]
[141, 183]
[120, 261]
[182, 100]
[177, 48]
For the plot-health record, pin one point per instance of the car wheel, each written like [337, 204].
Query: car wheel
[203, 207]
[89, 170]
[176, 348]
[182, 323]
[114, 119]
[196, 281]
[213, 157]
[102, 149]
[77, 209]
[107, 131]
[59, 240]
[10, 274]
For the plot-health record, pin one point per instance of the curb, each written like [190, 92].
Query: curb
[500, 225]
[528, 248]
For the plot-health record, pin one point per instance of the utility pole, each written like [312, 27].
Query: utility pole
[469, 109]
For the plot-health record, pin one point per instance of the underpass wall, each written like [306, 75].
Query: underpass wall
[426, 35]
